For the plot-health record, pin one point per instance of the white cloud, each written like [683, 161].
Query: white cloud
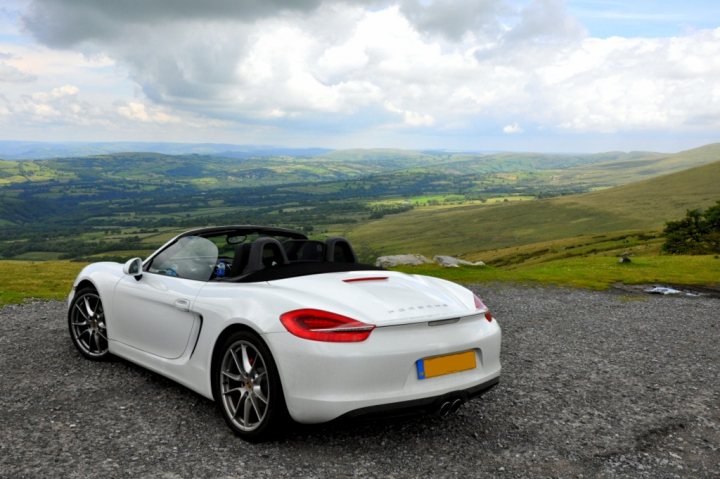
[58, 92]
[139, 112]
[64, 105]
[545, 21]
[455, 18]
[615, 84]
[10, 73]
[512, 128]
[411, 118]
[60, 105]
[447, 64]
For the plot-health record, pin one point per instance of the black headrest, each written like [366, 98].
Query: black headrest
[304, 250]
[338, 250]
[265, 253]
[242, 254]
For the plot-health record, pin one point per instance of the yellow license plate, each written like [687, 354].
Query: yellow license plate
[448, 364]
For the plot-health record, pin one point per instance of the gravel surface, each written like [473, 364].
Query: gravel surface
[610, 384]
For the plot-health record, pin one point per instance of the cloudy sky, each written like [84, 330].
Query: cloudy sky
[543, 75]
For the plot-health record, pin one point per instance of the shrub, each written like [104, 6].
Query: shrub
[697, 233]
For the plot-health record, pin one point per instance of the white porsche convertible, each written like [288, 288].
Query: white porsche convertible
[269, 323]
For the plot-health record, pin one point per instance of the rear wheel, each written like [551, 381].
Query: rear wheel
[246, 386]
[86, 321]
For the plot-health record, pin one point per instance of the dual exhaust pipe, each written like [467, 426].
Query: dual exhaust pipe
[449, 407]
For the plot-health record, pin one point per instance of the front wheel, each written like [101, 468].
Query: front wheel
[246, 386]
[86, 320]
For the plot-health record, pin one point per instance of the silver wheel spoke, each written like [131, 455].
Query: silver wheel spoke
[234, 377]
[237, 363]
[232, 390]
[87, 307]
[246, 360]
[236, 407]
[246, 412]
[257, 392]
[84, 314]
[83, 323]
[255, 405]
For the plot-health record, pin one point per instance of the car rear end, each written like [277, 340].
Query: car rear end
[434, 357]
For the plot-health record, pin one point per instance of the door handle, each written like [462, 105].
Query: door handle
[182, 304]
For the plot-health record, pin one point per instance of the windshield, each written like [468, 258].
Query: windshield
[191, 257]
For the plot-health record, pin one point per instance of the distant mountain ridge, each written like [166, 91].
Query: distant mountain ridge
[38, 150]
[30, 150]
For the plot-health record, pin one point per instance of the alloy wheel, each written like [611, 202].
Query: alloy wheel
[244, 385]
[87, 324]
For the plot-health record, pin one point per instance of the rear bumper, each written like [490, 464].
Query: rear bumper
[323, 381]
[425, 405]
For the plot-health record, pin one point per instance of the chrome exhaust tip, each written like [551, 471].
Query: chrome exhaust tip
[444, 409]
[455, 406]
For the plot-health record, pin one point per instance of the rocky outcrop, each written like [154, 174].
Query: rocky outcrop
[401, 259]
[452, 262]
[417, 259]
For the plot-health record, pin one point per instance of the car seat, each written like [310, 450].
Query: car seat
[304, 250]
[242, 255]
[265, 253]
[338, 250]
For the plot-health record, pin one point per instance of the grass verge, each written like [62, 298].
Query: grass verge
[21, 280]
[593, 272]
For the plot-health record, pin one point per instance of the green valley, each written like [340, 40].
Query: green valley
[99, 205]
[529, 216]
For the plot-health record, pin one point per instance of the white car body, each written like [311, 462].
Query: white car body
[172, 326]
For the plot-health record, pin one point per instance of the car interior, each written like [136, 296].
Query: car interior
[268, 252]
[217, 254]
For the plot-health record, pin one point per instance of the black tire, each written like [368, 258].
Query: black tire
[86, 322]
[247, 388]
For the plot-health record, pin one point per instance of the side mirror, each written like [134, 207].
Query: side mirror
[133, 267]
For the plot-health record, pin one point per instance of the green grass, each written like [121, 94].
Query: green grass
[638, 243]
[21, 280]
[38, 256]
[465, 230]
[596, 272]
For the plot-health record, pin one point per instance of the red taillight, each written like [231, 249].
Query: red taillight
[480, 306]
[318, 325]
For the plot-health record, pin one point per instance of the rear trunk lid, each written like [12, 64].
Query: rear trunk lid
[382, 298]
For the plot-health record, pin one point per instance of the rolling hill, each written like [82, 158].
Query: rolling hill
[463, 230]
[637, 166]
[114, 203]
